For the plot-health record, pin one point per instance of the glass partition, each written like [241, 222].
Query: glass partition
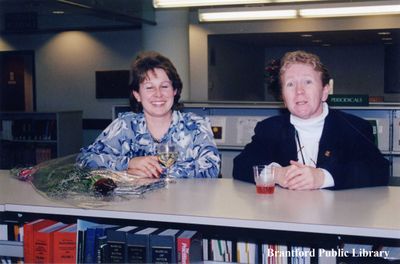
[360, 62]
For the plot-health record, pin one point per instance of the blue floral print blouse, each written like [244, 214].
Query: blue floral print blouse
[128, 137]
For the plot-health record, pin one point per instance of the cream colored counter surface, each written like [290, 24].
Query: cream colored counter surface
[224, 202]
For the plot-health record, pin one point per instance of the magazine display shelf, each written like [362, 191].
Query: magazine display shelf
[232, 111]
[387, 114]
[366, 213]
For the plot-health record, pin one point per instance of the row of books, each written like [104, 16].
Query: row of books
[49, 241]
[11, 231]
[23, 154]
[102, 243]
[29, 129]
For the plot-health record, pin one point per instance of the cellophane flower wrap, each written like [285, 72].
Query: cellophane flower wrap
[62, 179]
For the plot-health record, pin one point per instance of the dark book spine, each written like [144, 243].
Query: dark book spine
[116, 252]
[136, 254]
[89, 245]
[161, 255]
[81, 246]
[102, 250]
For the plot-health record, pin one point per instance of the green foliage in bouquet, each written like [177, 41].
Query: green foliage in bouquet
[58, 181]
[61, 177]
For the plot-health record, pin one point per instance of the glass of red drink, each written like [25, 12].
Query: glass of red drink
[265, 179]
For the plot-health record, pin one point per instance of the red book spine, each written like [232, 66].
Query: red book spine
[183, 250]
[64, 247]
[43, 244]
[42, 248]
[29, 231]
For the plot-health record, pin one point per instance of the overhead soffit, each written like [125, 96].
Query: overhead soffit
[132, 14]
[31, 16]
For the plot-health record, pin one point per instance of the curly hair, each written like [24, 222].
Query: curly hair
[304, 57]
[148, 61]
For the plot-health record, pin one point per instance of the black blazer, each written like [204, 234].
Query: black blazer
[346, 150]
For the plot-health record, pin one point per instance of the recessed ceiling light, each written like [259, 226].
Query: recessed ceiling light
[306, 35]
[316, 40]
[193, 3]
[352, 9]
[384, 33]
[386, 38]
[58, 12]
[235, 14]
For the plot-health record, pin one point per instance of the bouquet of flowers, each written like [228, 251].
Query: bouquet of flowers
[62, 179]
[272, 78]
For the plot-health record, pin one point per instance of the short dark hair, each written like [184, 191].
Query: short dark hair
[148, 61]
[304, 57]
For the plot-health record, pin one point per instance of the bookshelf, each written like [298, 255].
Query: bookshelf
[232, 209]
[27, 138]
[238, 120]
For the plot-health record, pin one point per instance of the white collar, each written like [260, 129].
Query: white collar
[312, 125]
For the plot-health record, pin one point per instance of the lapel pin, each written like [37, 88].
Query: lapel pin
[327, 153]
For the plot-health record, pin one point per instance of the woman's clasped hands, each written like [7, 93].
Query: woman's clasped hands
[298, 176]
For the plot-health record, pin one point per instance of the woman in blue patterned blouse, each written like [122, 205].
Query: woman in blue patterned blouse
[129, 142]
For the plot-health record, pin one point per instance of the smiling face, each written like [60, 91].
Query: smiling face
[302, 90]
[156, 94]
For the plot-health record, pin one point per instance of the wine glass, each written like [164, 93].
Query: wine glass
[167, 156]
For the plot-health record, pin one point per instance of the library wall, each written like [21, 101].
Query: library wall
[65, 66]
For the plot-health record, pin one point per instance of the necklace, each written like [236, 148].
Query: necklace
[301, 149]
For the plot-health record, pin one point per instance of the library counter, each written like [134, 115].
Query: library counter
[368, 212]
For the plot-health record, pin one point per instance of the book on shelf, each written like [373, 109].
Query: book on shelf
[91, 236]
[82, 226]
[29, 232]
[101, 231]
[28, 129]
[89, 245]
[138, 245]
[116, 240]
[7, 130]
[101, 249]
[246, 252]
[218, 250]
[393, 253]
[301, 255]
[43, 243]
[190, 247]
[275, 253]
[163, 246]
[396, 134]
[3, 232]
[14, 230]
[64, 247]
[42, 154]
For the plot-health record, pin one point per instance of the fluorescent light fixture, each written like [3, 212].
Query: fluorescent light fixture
[236, 14]
[71, 2]
[366, 9]
[191, 3]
